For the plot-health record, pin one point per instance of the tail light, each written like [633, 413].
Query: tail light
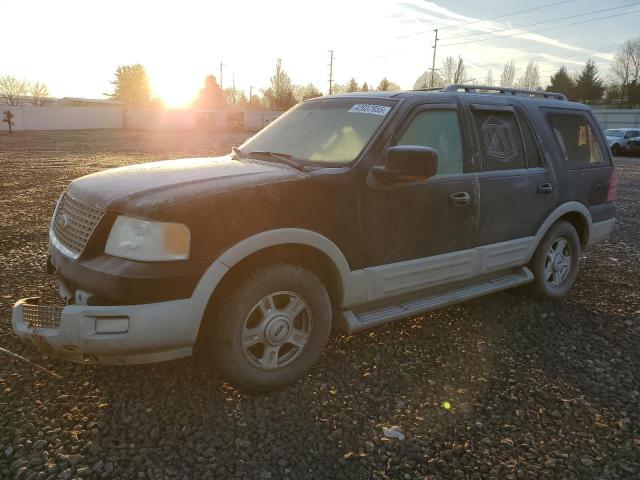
[613, 187]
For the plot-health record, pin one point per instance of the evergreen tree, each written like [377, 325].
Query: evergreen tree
[131, 85]
[383, 86]
[365, 87]
[561, 82]
[210, 95]
[279, 95]
[352, 86]
[589, 86]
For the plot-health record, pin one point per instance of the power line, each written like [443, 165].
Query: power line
[518, 12]
[541, 22]
[541, 29]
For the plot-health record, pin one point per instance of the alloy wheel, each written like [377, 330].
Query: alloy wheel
[276, 330]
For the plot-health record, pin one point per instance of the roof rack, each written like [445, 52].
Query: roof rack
[503, 90]
[427, 89]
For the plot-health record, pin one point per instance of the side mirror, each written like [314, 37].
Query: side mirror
[410, 161]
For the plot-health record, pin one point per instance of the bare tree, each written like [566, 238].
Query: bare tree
[461, 72]
[453, 71]
[424, 80]
[489, 79]
[39, 94]
[8, 119]
[531, 78]
[449, 66]
[508, 74]
[626, 65]
[12, 90]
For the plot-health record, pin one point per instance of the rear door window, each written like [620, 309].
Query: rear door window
[501, 140]
[577, 139]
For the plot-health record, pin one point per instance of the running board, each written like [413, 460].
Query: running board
[361, 320]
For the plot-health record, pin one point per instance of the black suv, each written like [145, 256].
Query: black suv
[350, 210]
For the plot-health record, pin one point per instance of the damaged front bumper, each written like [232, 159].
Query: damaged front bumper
[119, 334]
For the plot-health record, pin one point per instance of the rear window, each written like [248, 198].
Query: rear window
[576, 138]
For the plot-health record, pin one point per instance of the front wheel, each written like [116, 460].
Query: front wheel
[271, 328]
[555, 263]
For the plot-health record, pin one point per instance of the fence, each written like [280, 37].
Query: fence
[618, 118]
[76, 118]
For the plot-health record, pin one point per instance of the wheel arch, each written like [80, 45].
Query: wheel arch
[573, 212]
[303, 247]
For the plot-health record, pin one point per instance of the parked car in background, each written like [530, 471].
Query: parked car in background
[623, 140]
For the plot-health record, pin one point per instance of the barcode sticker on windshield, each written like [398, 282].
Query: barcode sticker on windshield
[371, 109]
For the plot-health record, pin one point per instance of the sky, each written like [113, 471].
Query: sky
[75, 46]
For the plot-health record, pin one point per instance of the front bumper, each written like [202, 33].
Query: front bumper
[122, 334]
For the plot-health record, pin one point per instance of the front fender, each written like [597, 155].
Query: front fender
[218, 269]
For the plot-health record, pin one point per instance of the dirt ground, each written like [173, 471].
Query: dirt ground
[532, 389]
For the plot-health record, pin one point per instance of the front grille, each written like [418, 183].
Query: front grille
[44, 316]
[74, 223]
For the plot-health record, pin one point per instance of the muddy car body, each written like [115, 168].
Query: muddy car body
[349, 211]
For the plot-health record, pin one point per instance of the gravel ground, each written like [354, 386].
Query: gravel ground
[501, 387]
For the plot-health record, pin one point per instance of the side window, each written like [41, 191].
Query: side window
[530, 148]
[576, 138]
[439, 129]
[501, 140]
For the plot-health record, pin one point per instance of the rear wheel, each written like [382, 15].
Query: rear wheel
[615, 150]
[555, 263]
[271, 328]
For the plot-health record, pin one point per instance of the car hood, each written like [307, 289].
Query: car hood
[159, 183]
[612, 140]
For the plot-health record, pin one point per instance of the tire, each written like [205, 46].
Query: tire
[282, 313]
[556, 262]
[615, 150]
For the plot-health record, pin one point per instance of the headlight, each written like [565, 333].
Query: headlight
[148, 241]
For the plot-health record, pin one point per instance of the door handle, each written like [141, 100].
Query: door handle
[459, 199]
[545, 188]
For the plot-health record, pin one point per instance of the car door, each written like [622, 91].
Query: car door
[517, 189]
[408, 222]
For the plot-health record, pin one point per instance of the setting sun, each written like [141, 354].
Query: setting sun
[174, 91]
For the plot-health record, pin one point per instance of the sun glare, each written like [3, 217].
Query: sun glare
[172, 91]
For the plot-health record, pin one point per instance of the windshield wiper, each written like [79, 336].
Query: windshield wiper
[273, 156]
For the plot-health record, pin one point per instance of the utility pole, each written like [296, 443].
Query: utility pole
[234, 86]
[331, 73]
[433, 65]
[221, 65]
[250, 93]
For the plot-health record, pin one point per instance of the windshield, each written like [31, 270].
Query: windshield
[328, 131]
[614, 133]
